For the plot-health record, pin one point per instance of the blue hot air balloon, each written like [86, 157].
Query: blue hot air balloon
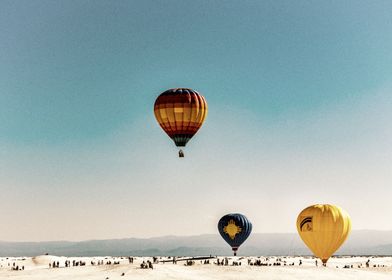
[235, 229]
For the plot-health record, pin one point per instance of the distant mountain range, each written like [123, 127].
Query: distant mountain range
[360, 242]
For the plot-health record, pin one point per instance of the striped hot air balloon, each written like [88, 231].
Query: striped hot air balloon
[234, 229]
[180, 112]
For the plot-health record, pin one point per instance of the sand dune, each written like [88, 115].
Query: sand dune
[38, 268]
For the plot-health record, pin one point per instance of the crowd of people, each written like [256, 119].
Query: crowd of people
[68, 263]
[223, 261]
[268, 262]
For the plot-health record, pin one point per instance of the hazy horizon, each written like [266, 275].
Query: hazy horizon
[299, 97]
[159, 236]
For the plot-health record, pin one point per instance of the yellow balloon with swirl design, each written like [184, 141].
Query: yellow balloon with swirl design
[323, 228]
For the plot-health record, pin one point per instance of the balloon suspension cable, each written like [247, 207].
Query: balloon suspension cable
[180, 153]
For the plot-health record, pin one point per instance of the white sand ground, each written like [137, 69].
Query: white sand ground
[38, 268]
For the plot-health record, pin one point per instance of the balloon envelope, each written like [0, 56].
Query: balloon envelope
[234, 229]
[323, 228]
[180, 112]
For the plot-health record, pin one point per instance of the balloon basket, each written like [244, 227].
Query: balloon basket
[180, 154]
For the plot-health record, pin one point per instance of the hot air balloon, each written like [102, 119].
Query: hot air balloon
[180, 112]
[235, 229]
[323, 228]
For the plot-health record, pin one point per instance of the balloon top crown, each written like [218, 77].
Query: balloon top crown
[179, 91]
[325, 207]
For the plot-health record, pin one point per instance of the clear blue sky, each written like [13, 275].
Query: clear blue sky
[300, 104]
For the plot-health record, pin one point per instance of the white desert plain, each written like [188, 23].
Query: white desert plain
[282, 268]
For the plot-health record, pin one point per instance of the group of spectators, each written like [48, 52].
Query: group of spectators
[17, 267]
[145, 265]
[68, 263]
[224, 261]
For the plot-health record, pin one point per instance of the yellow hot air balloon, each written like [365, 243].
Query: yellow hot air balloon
[323, 228]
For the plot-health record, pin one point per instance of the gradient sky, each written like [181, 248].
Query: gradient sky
[300, 109]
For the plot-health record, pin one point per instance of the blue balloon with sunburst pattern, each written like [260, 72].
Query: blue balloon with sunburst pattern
[235, 229]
